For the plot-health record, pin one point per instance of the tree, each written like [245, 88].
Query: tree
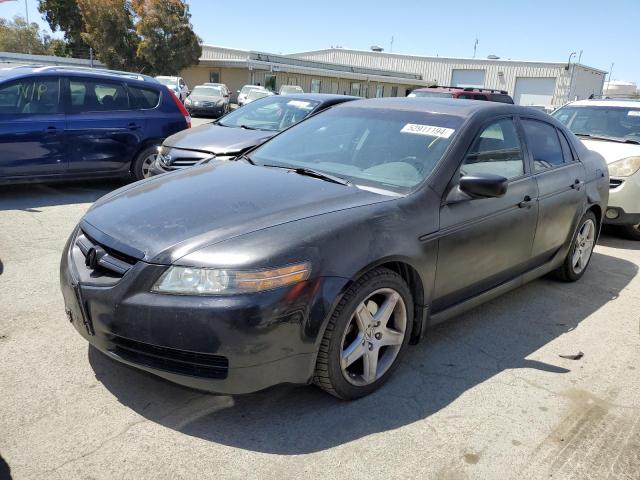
[167, 42]
[19, 37]
[110, 31]
[64, 15]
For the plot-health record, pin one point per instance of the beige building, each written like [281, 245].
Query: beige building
[376, 74]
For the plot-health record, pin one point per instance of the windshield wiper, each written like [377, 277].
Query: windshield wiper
[246, 157]
[310, 172]
[248, 128]
[610, 139]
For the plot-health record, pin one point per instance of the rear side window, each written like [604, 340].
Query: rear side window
[543, 143]
[496, 151]
[566, 149]
[31, 96]
[97, 96]
[143, 98]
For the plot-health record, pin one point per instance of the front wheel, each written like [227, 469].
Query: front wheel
[366, 336]
[141, 167]
[579, 255]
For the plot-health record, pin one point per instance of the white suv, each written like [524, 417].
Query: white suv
[244, 91]
[612, 128]
[177, 84]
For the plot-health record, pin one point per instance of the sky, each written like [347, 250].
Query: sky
[540, 30]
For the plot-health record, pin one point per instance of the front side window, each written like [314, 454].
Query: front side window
[543, 143]
[496, 151]
[97, 96]
[274, 113]
[373, 148]
[616, 123]
[34, 95]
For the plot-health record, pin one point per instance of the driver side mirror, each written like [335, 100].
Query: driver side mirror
[484, 185]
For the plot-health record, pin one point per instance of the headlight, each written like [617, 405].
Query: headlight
[212, 281]
[162, 150]
[625, 167]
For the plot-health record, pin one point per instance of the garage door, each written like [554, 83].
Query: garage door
[467, 78]
[534, 91]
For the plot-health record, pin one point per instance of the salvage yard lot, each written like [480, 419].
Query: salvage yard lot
[486, 396]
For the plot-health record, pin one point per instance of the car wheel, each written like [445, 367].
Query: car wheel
[632, 232]
[142, 163]
[579, 255]
[366, 336]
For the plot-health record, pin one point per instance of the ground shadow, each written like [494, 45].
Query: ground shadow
[612, 237]
[457, 356]
[30, 197]
[5, 471]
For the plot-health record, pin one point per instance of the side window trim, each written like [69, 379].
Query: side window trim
[519, 134]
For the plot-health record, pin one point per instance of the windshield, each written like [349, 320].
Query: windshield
[247, 88]
[382, 149]
[255, 94]
[208, 91]
[620, 123]
[273, 113]
[167, 81]
[431, 94]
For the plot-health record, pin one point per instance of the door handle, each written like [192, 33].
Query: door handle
[577, 184]
[526, 202]
[52, 129]
[134, 126]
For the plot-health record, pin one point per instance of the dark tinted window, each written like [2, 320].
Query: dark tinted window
[143, 98]
[34, 95]
[543, 143]
[497, 151]
[97, 96]
[566, 149]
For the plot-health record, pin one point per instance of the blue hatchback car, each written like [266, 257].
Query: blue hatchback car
[73, 123]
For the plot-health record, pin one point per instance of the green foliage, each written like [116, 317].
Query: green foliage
[19, 37]
[64, 15]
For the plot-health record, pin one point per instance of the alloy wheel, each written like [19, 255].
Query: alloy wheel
[373, 337]
[146, 164]
[583, 246]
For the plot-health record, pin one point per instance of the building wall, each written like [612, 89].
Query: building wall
[499, 74]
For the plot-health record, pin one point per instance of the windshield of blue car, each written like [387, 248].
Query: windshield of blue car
[392, 150]
[618, 123]
[273, 113]
[207, 91]
[430, 94]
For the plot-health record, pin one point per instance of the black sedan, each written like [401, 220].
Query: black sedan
[240, 130]
[320, 256]
[208, 100]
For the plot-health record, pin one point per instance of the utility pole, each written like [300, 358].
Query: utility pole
[475, 46]
[26, 11]
[391, 49]
[91, 56]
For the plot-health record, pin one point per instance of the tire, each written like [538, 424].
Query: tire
[142, 162]
[632, 232]
[365, 336]
[575, 264]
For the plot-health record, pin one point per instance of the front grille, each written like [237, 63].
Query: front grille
[615, 183]
[108, 260]
[182, 362]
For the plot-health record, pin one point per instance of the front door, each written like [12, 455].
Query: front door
[32, 128]
[560, 178]
[485, 242]
[104, 133]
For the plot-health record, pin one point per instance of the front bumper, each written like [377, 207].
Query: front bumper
[624, 199]
[206, 111]
[228, 344]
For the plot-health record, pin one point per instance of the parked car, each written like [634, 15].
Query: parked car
[69, 122]
[465, 93]
[321, 255]
[207, 100]
[612, 128]
[256, 94]
[240, 130]
[177, 84]
[222, 85]
[290, 89]
[244, 91]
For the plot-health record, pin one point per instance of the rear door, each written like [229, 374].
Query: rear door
[32, 128]
[103, 133]
[487, 241]
[560, 178]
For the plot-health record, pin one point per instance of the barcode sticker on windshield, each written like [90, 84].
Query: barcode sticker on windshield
[634, 113]
[429, 130]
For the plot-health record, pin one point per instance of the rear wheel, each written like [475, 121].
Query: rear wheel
[579, 255]
[366, 336]
[632, 232]
[141, 168]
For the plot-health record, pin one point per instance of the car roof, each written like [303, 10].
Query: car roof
[449, 106]
[617, 102]
[28, 70]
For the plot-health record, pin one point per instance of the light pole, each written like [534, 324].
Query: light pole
[573, 54]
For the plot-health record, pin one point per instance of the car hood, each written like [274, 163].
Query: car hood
[217, 139]
[612, 151]
[169, 216]
[205, 98]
